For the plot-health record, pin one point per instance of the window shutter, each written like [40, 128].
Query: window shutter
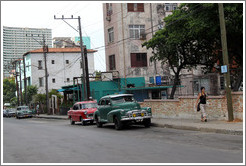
[140, 7]
[130, 7]
[133, 60]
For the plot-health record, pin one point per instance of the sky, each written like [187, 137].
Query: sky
[40, 14]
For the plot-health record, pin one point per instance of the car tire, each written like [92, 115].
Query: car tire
[99, 124]
[117, 124]
[83, 122]
[91, 122]
[71, 121]
[147, 122]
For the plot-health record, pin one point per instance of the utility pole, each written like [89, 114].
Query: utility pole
[226, 62]
[45, 50]
[24, 65]
[17, 85]
[87, 75]
[20, 83]
[86, 97]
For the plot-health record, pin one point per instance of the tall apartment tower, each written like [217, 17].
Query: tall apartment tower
[17, 41]
[126, 27]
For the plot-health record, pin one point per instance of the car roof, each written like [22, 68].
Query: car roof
[118, 95]
[84, 102]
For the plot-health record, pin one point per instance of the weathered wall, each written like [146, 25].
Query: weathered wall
[185, 107]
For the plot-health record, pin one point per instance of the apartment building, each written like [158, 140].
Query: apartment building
[126, 27]
[17, 41]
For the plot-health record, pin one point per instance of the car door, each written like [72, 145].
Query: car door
[74, 112]
[106, 108]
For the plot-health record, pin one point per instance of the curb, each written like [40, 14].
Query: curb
[221, 131]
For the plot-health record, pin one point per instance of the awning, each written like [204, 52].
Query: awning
[68, 89]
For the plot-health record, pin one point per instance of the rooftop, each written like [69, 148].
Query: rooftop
[61, 50]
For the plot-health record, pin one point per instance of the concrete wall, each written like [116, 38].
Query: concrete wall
[184, 107]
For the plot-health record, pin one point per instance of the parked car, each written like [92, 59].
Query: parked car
[8, 113]
[82, 112]
[23, 112]
[121, 110]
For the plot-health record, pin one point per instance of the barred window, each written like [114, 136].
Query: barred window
[136, 31]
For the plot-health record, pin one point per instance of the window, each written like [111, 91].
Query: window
[111, 35]
[40, 65]
[53, 80]
[52, 61]
[67, 61]
[102, 102]
[135, 7]
[136, 31]
[76, 107]
[41, 82]
[68, 79]
[112, 62]
[138, 60]
[170, 6]
[109, 9]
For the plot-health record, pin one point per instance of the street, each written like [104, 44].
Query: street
[56, 141]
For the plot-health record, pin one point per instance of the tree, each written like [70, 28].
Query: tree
[98, 75]
[54, 92]
[9, 89]
[191, 37]
[175, 46]
[31, 91]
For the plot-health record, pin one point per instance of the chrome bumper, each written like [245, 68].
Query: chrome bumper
[138, 118]
[88, 119]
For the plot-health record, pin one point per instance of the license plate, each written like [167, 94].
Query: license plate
[142, 114]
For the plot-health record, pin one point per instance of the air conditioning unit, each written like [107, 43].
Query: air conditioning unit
[108, 18]
[142, 36]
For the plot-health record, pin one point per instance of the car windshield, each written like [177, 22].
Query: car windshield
[88, 105]
[22, 108]
[122, 99]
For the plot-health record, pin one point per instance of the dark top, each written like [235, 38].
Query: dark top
[203, 99]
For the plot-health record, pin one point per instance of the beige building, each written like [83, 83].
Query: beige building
[126, 27]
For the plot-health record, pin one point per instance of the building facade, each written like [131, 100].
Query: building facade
[126, 27]
[17, 41]
[62, 65]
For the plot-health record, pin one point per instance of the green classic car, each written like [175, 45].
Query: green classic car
[23, 112]
[121, 110]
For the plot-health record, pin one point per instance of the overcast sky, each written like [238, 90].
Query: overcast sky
[40, 14]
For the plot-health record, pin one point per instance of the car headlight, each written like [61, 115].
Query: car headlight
[85, 112]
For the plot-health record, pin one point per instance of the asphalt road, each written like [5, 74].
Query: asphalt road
[56, 141]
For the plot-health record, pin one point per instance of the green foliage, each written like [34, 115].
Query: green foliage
[31, 91]
[54, 92]
[9, 89]
[40, 98]
[98, 75]
[191, 36]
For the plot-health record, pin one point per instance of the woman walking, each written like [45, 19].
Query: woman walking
[203, 97]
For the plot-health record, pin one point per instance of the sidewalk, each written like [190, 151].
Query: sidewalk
[215, 126]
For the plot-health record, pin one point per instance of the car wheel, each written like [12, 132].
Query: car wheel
[147, 122]
[99, 124]
[91, 122]
[71, 121]
[117, 124]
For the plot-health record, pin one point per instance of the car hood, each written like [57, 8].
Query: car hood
[127, 106]
[90, 110]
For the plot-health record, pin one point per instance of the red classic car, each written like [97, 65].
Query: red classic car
[82, 112]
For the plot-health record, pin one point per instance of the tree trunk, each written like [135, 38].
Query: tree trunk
[176, 79]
